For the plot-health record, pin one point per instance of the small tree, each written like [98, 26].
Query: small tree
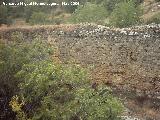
[125, 14]
[89, 13]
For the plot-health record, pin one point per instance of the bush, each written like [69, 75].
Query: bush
[56, 91]
[4, 17]
[125, 14]
[89, 13]
[38, 18]
[29, 10]
[12, 57]
[110, 4]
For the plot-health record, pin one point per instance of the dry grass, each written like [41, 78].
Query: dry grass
[143, 111]
[150, 9]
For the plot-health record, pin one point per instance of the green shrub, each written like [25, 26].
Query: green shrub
[13, 56]
[89, 13]
[4, 17]
[38, 18]
[110, 4]
[29, 10]
[63, 92]
[28, 13]
[17, 53]
[125, 14]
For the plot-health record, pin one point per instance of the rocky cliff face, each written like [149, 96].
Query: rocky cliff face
[129, 57]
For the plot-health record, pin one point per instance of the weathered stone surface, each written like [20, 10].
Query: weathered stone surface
[128, 56]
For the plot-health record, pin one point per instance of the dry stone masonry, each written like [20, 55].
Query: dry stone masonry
[129, 56]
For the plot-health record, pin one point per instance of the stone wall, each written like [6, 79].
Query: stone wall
[116, 55]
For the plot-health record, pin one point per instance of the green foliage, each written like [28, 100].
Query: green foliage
[110, 4]
[17, 12]
[98, 105]
[89, 13]
[13, 56]
[17, 53]
[30, 10]
[69, 8]
[95, 11]
[38, 18]
[28, 13]
[4, 17]
[63, 92]
[125, 14]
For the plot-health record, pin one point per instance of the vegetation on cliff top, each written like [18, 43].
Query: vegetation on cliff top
[118, 13]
